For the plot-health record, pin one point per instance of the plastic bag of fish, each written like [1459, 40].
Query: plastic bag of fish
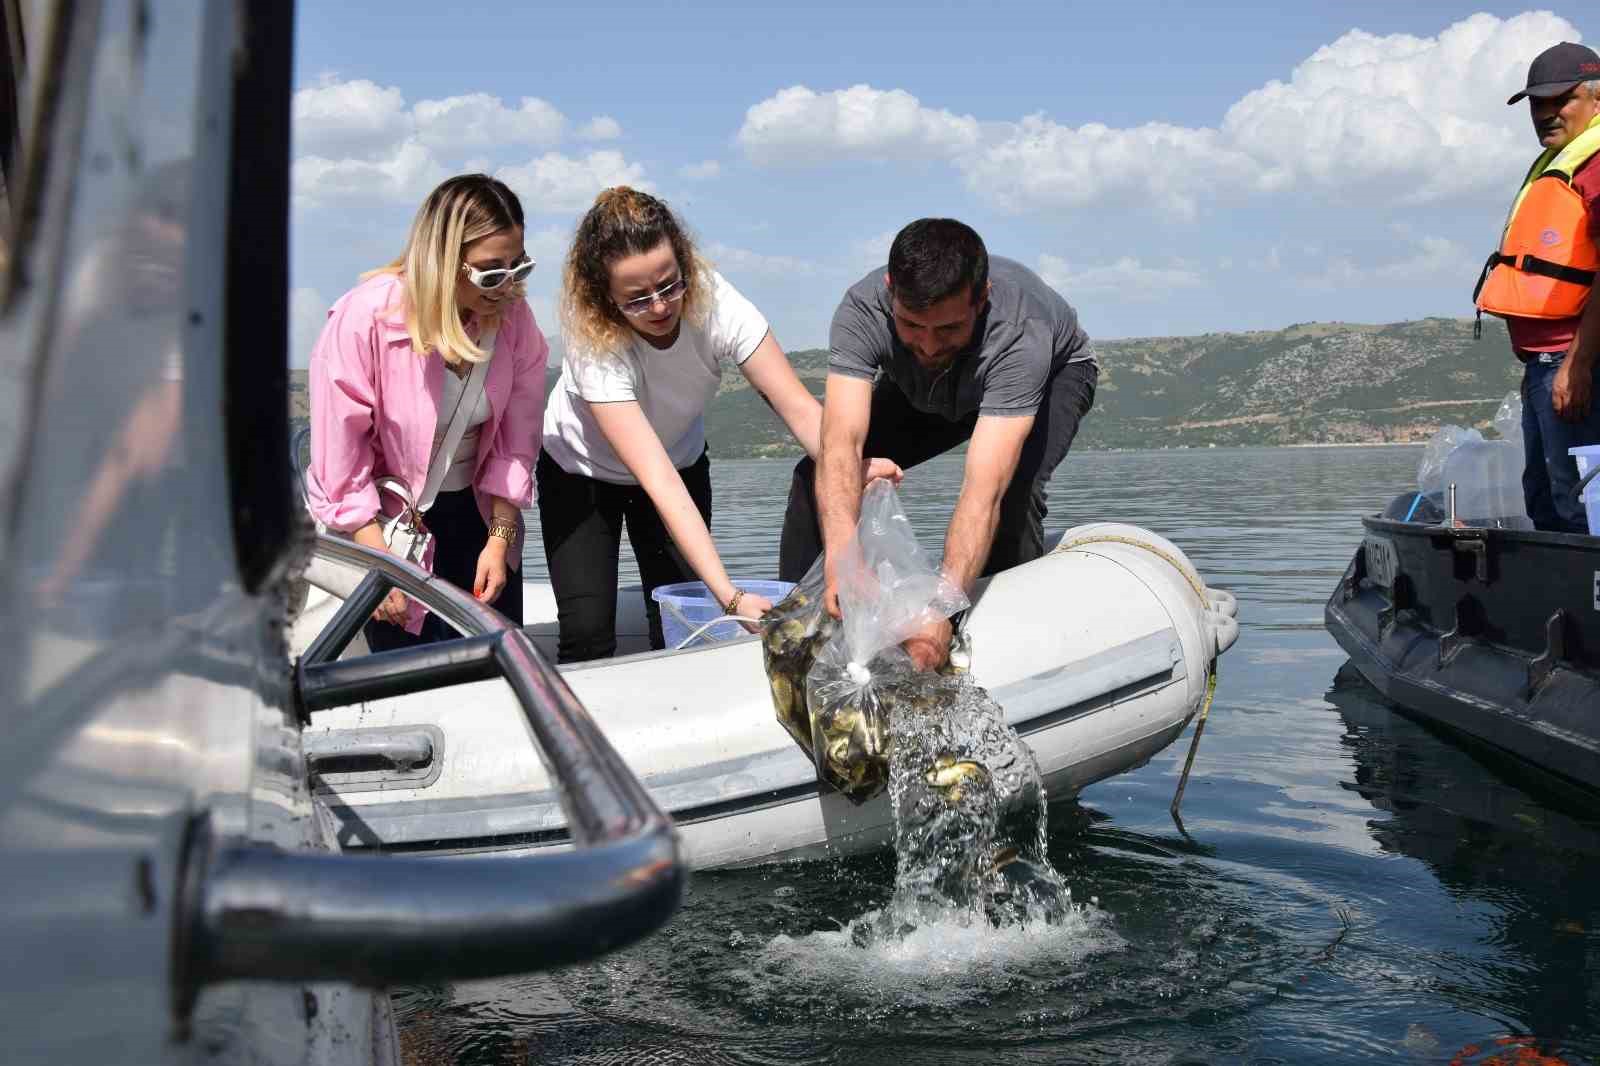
[835, 683]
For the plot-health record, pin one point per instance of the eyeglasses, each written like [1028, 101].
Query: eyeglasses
[489, 280]
[667, 294]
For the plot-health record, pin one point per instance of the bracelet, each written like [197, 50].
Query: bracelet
[504, 529]
[733, 604]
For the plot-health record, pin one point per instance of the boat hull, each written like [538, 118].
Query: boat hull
[1098, 653]
[1494, 634]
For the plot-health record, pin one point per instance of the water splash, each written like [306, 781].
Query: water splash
[935, 967]
[977, 910]
[970, 816]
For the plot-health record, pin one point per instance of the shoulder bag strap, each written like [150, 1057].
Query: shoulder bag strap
[457, 428]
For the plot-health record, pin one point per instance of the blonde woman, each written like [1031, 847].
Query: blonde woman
[393, 371]
[648, 326]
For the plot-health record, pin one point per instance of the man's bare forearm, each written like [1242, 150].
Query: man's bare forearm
[1585, 347]
[838, 488]
[971, 535]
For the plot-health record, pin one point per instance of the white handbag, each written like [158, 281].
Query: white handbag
[404, 532]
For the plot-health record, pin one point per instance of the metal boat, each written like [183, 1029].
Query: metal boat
[172, 889]
[1491, 633]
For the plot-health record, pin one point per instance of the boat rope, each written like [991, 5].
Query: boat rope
[1113, 538]
[1194, 744]
[1211, 676]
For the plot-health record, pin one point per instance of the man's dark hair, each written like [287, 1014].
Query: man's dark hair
[932, 259]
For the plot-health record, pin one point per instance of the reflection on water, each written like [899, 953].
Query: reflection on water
[1356, 889]
[1500, 842]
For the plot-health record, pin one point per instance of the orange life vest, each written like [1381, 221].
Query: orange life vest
[1547, 259]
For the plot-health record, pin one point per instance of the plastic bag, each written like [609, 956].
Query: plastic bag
[1430, 471]
[834, 684]
[1487, 473]
[792, 633]
[1508, 418]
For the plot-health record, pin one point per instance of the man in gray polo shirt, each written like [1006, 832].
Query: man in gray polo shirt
[942, 347]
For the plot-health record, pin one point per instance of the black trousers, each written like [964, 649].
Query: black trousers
[582, 519]
[900, 432]
[459, 533]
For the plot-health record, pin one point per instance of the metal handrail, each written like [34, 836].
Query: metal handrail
[252, 912]
[297, 475]
[1577, 490]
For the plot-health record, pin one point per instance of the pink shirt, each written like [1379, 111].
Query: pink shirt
[375, 409]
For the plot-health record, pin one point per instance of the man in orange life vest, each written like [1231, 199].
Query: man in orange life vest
[1540, 278]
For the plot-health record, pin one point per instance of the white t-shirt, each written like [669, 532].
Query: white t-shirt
[464, 463]
[672, 387]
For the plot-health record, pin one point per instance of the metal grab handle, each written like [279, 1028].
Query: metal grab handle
[297, 474]
[340, 753]
[258, 913]
[250, 911]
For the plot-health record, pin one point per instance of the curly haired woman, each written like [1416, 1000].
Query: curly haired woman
[649, 325]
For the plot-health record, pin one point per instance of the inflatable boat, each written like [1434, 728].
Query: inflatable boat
[1099, 652]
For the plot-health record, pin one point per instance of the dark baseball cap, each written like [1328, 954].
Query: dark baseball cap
[1558, 68]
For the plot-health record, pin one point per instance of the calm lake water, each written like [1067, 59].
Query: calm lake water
[1352, 887]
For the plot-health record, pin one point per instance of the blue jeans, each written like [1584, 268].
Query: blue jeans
[1551, 474]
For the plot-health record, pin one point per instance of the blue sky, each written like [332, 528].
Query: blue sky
[1171, 168]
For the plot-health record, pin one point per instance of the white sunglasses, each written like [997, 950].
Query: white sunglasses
[498, 277]
[669, 294]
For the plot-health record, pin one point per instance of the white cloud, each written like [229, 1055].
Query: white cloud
[479, 121]
[1366, 119]
[362, 120]
[1410, 119]
[736, 261]
[1422, 117]
[307, 312]
[359, 140]
[1435, 259]
[1127, 278]
[557, 183]
[548, 246]
[1041, 165]
[702, 171]
[404, 177]
[869, 253]
[544, 313]
[799, 125]
[1431, 260]
[600, 128]
[349, 119]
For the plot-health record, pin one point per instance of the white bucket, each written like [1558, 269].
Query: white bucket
[1588, 457]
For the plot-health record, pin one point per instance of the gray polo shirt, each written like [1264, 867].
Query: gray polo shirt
[1027, 333]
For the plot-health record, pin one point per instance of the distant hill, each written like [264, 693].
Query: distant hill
[1321, 382]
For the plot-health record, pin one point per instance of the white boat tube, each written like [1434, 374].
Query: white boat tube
[1099, 653]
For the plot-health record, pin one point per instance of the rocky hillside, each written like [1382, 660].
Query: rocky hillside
[1312, 383]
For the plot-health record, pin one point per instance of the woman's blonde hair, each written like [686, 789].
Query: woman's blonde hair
[460, 211]
[622, 222]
